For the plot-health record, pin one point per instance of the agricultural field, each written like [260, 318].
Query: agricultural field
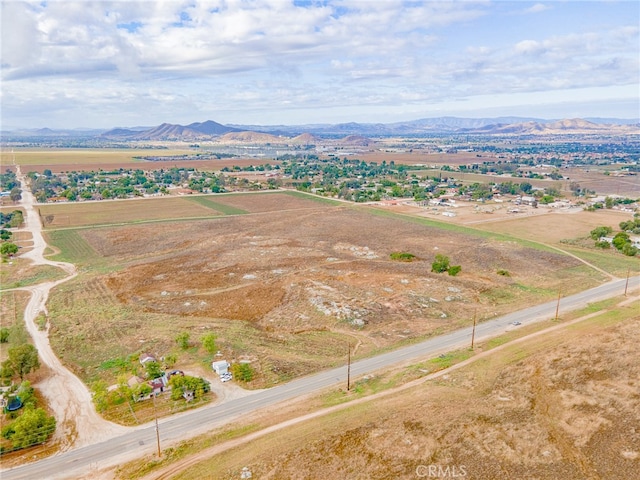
[68, 160]
[65, 215]
[114, 212]
[287, 284]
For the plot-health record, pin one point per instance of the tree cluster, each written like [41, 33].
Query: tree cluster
[243, 372]
[442, 264]
[621, 240]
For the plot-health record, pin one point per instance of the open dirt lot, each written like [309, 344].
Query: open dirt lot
[543, 224]
[289, 287]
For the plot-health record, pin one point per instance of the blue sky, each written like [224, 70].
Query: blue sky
[100, 64]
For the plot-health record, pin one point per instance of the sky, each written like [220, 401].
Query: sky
[104, 64]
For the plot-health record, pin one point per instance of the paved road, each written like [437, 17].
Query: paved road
[140, 441]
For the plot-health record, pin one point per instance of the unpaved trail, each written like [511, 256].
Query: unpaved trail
[78, 422]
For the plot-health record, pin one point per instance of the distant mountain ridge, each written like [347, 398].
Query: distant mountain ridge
[168, 131]
[211, 130]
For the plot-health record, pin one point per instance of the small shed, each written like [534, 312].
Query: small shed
[220, 367]
[146, 358]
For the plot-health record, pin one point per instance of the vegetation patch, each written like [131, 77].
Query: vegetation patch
[402, 256]
[217, 205]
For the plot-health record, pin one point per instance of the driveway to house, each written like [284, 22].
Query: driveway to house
[78, 424]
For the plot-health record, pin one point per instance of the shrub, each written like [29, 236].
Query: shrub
[441, 264]
[209, 342]
[243, 372]
[182, 339]
[454, 270]
[402, 256]
[599, 232]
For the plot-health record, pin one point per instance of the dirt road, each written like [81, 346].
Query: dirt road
[78, 423]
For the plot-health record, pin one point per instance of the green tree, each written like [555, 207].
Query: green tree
[620, 240]
[629, 250]
[8, 248]
[170, 360]
[16, 219]
[441, 264]
[141, 390]
[454, 270]
[209, 342]
[15, 195]
[27, 394]
[599, 232]
[153, 370]
[243, 372]
[182, 339]
[100, 395]
[4, 334]
[526, 187]
[34, 426]
[180, 384]
[23, 359]
[608, 202]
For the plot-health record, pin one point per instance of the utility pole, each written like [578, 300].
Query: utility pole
[627, 282]
[473, 332]
[558, 306]
[155, 414]
[349, 369]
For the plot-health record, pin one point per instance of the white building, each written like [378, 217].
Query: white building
[221, 367]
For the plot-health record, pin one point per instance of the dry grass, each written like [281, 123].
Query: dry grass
[286, 287]
[21, 273]
[118, 212]
[12, 305]
[557, 226]
[555, 406]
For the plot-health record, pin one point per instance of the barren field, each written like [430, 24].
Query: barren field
[288, 287]
[555, 226]
[558, 406]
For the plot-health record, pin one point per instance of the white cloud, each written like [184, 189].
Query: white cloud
[537, 8]
[167, 59]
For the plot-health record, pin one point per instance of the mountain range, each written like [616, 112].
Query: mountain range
[211, 130]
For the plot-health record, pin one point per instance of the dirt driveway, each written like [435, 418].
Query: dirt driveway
[78, 422]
